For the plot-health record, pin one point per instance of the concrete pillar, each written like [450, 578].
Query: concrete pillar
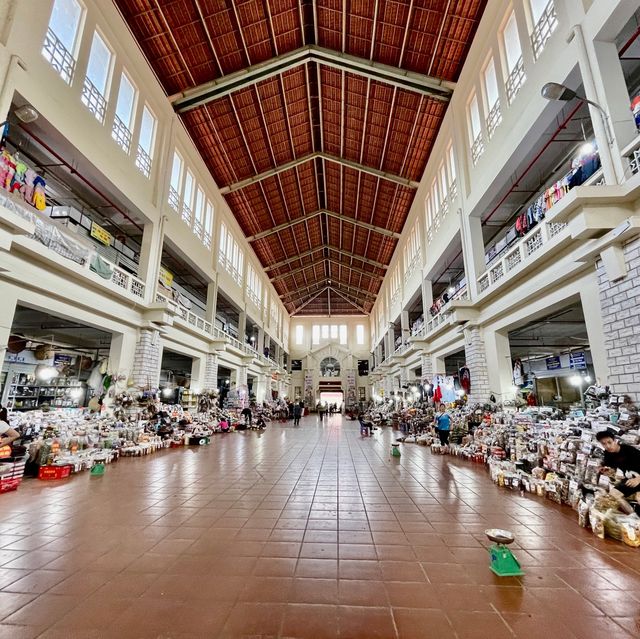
[261, 389]
[497, 359]
[260, 341]
[7, 311]
[613, 96]
[122, 353]
[406, 329]
[472, 252]
[593, 319]
[426, 375]
[212, 302]
[198, 373]
[147, 359]
[242, 326]
[427, 299]
[150, 256]
[210, 380]
[619, 302]
[477, 363]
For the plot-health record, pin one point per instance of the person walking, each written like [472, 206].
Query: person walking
[297, 413]
[443, 425]
[247, 414]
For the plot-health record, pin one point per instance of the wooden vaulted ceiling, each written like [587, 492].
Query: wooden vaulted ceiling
[316, 119]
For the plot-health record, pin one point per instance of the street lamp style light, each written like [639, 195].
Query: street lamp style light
[554, 91]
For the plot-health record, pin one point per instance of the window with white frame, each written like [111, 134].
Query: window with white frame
[230, 255]
[428, 211]
[492, 97]
[435, 200]
[360, 334]
[198, 212]
[544, 21]
[411, 251]
[324, 331]
[333, 332]
[207, 229]
[343, 334]
[146, 141]
[187, 198]
[444, 186]
[122, 128]
[394, 285]
[96, 82]
[175, 188]
[315, 334]
[299, 334]
[475, 129]
[513, 58]
[451, 166]
[60, 44]
[254, 285]
[274, 313]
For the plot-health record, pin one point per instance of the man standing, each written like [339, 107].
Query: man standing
[297, 413]
[247, 414]
[625, 458]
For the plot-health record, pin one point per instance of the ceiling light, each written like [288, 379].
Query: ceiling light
[26, 114]
[46, 373]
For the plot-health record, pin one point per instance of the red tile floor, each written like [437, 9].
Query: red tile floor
[301, 532]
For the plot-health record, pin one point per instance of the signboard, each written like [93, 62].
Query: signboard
[553, 363]
[166, 277]
[577, 361]
[60, 360]
[102, 235]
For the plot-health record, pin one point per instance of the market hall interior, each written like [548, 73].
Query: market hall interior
[268, 264]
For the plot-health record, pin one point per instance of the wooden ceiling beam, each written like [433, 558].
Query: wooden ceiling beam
[220, 87]
[308, 157]
[309, 216]
[296, 258]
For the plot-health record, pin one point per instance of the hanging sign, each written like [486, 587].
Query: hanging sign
[577, 360]
[166, 277]
[101, 234]
[553, 363]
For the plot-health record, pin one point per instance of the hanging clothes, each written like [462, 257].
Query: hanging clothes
[464, 375]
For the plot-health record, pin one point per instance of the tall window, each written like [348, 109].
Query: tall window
[96, 82]
[360, 334]
[146, 141]
[198, 213]
[187, 197]
[123, 120]
[334, 331]
[315, 334]
[254, 285]
[544, 20]
[60, 42]
[451, 166]
[208, 226]
[475, 129]
[444, 184]
[513, 58]
[494, 116]
[230, 256]
[324, 331]
[299, 335]
[343, 334]
[176, 181]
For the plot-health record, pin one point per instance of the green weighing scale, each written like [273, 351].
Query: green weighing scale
[503, 563]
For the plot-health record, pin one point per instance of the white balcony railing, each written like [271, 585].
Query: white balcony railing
[57, 55]
[520, 253]
[477, 148]
[516, 79]
[543, 29]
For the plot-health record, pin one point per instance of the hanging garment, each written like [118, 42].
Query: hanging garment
[464, 375]
[101, 267]
[449, 391]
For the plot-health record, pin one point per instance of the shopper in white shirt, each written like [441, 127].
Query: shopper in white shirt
[7, 434]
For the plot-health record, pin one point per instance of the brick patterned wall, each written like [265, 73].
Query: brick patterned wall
[620, 302]
[147, 360]
[427, 369]
[477, 363]
[210, 373]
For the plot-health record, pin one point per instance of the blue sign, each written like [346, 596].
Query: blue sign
[553, 363]
[577, 361]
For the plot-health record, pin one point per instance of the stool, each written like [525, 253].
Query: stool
[502, 561]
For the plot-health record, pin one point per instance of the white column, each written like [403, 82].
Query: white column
[150, 257]
[212, 302]
[210, 382]
[121, 353]
[472, 251]
[147, 359]
[498, 357]
[590, 300]
[427, 299]
[7, 311]
[242, 326]
[406, 329]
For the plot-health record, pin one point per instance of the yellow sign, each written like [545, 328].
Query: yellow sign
[102, 235]
[166, 277]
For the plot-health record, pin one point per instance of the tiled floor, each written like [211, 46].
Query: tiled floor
[307, 532]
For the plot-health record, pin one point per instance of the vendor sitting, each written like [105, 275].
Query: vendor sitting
[625, 458]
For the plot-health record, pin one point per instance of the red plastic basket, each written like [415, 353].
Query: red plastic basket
[7, 485]
[11, 480]
[48, 473]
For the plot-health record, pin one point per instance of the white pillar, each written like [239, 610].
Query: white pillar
[147, 359]
[472, 251]
[210, 381]
[7, 312]
[590, 300]
[150, 257]
[121, 353]
[498, 357]
[427, 299]
[212, 302]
